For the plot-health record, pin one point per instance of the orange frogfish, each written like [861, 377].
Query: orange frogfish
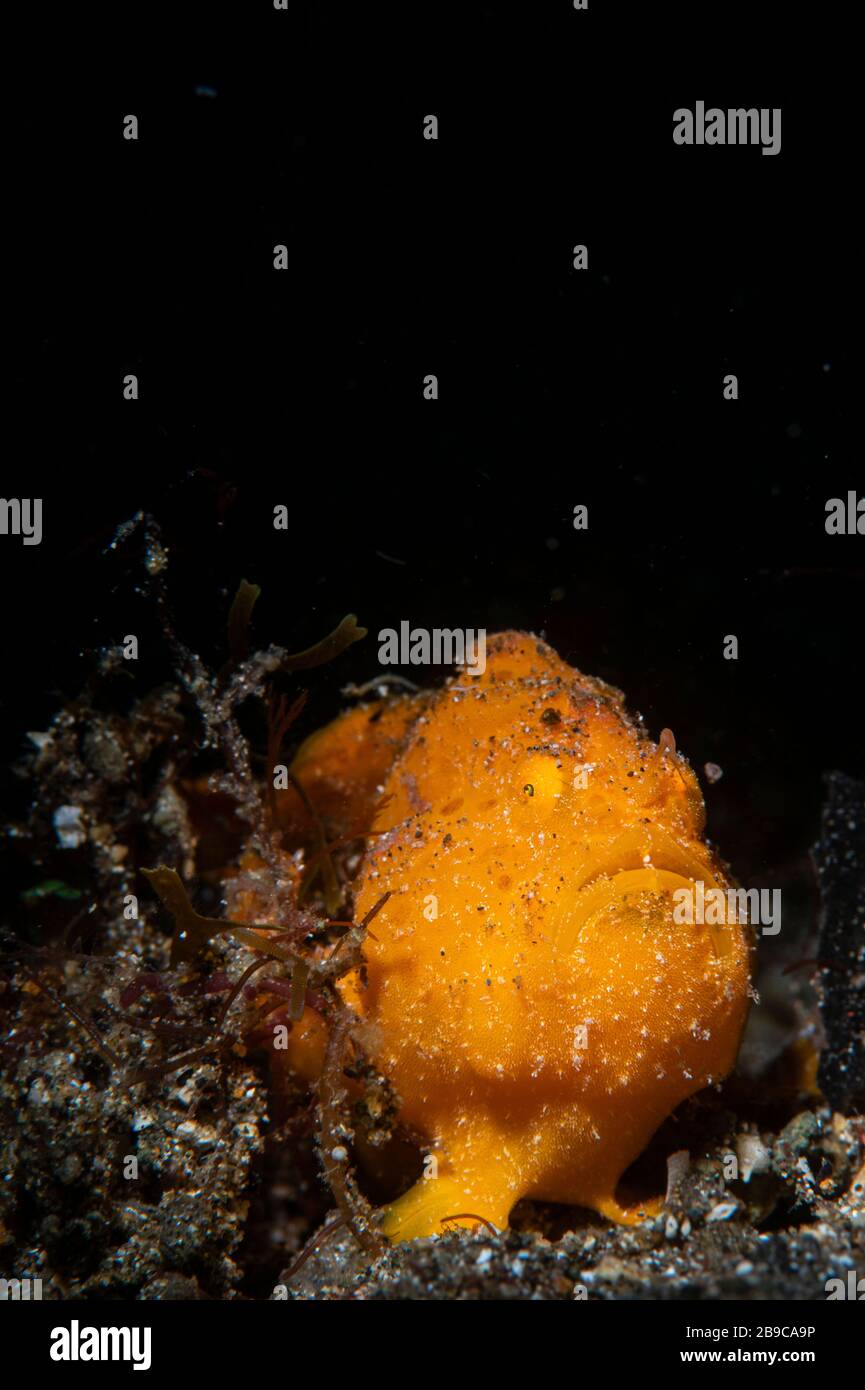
[531, 990]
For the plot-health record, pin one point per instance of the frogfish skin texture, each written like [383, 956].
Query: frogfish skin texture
[529, 993]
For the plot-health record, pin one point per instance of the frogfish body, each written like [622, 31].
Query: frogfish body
[528, 988]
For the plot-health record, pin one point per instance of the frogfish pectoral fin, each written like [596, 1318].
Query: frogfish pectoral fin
[628, 1215]
[435, 1205]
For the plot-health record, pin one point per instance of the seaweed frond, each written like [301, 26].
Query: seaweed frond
[192, 931]
[280, 717]
[239, 616]
[343, 635]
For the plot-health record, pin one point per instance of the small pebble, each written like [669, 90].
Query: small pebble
[723, 1211]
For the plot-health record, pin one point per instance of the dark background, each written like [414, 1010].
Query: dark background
[557, 387]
